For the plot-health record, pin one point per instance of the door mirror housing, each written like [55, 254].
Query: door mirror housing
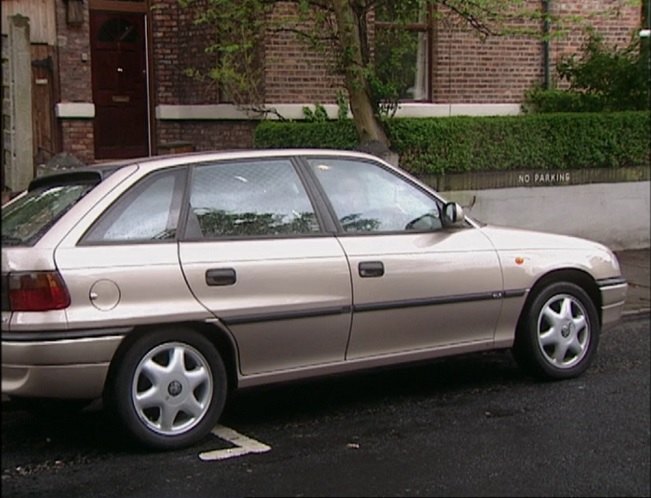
[453, 215]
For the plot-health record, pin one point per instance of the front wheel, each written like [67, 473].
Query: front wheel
[557, 336]
[169, 388]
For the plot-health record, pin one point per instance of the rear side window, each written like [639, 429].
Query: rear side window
[253, 198]
[28, 218]
[149, 211]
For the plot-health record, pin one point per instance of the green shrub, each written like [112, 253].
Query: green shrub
[330, 134]
[602, 78]
[318, 115]
[541, 100]
[460, 144]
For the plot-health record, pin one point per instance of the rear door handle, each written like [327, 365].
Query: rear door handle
[221, 276]
[371, 269]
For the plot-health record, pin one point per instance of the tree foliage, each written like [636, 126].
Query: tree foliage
[341, 31]
[234, 40]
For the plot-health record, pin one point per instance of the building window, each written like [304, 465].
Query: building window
[118, 5]
[118, 30]
[74, 12]
[404, 34]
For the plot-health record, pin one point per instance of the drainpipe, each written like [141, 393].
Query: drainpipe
[645, 41]
[547, 76]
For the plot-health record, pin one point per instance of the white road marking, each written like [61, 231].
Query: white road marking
[244, 445]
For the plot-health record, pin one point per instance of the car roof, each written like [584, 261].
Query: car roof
[99, 171]
[198, 157]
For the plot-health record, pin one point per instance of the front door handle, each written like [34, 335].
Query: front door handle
[221, 276]
[371, 269]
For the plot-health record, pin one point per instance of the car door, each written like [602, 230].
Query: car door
[124, 268]
[255, 254]
[416, 284]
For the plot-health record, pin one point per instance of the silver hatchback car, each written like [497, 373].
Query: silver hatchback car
[160, 284]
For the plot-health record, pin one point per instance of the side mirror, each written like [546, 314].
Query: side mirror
[453, 215]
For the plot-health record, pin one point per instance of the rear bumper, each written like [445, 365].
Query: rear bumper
[63, 367]
[613, 297]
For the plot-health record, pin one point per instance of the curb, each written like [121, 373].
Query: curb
[636, 313]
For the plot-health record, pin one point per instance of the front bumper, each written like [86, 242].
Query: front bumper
[613, 298]
[56, 367]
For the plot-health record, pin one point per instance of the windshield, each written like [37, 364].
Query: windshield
[25, 220]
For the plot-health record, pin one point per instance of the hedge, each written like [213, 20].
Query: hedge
[462, 144]
[553, 100]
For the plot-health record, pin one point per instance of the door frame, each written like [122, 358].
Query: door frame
[137, 7]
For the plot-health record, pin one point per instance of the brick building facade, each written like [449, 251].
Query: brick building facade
[477, 76]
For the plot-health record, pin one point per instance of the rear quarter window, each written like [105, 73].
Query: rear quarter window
[147, 212]
[28, 218]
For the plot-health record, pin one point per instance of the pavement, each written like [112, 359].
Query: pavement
[636, 268]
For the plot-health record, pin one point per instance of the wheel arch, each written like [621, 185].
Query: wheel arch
[217, 336]
[575, 276]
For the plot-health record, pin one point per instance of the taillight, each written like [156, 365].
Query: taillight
[37, 291]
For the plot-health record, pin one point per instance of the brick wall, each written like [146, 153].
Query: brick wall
[73, 42]
[466, 68]
[75, 82]
[208, 135]
[165, 52]
[501, 68]
[179, 44]
[77, 138]
[294, 72]
[616, 22]
[470, 70]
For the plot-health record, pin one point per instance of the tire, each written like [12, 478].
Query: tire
[169, 388]
[558, 334]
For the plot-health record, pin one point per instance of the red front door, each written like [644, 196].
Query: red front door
[119, 67]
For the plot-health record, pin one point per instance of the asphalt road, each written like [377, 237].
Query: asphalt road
[471, 425]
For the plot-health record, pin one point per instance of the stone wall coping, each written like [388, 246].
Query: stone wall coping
[75, 110]
[295, 111]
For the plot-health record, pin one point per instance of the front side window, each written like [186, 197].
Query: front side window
[368, 198]
[147, 212]
[253, 198]
[27, 219]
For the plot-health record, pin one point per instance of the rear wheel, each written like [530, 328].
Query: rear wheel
[557, 336]
[169, 388]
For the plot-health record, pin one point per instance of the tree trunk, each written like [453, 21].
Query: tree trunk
[370, 131]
